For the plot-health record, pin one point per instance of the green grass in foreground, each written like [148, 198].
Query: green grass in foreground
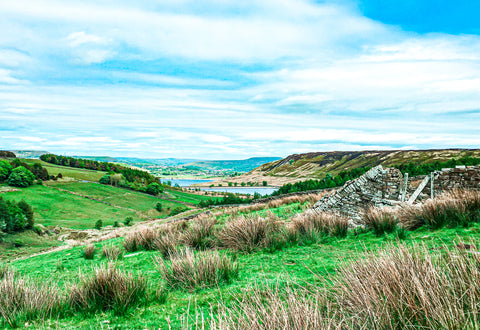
[302, 264]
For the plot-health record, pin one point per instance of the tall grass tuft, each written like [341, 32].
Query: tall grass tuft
[274, 308]
[167, 242]
[247, 233]
[191, 271]
[311, 225]
[22, 299]
[379, 220]
[199, 234]
[108, 288]
[451, 209]
[89, 251]
[141, 239]
[112, 252]
[403, 288]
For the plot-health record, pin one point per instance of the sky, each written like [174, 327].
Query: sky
[228, 79]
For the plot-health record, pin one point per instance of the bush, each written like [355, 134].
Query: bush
[112, 252]
[193, 271]
[246, 233]
[20, 177]
[108, 289]
[22, 299]
[128, 221]
[5, 170]
[89, 251]
[154, 189]
[177, 210]
[27, 211]
[99, 224]
[159, 207]
[381, 221]
[105, 179]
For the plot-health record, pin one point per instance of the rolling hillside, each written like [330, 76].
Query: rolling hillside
[244, 165]
[316, 165]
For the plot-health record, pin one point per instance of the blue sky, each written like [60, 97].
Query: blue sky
[235, 79]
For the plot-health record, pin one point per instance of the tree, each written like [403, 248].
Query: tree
[27, 211]
[5, 170]
[99, 224]
[20, 177]
[105, 179]
[264, 183]
[158, 207]
[154, 189]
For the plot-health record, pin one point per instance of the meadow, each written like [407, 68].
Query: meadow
[275, 272]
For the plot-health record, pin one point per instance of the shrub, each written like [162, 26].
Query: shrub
[158, 207]
[246, 233]
[99, 224]
[27, 211]
[128, 221]
[199, 233]
[192, 271]
[178, 210]
[112, 252]
[89, 251]
[381, 221]
[116, 224]
[154, 189]
[105, 179]
[20, 177]
[142, 238]
[22, 299]
[5, 170]
[108, 289]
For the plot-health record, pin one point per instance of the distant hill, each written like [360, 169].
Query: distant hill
[29, 154]
[140, 161]
[316, 165]
[244, 165]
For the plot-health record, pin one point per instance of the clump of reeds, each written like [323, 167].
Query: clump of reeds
[451, 209]
[108, 288]
[112, 252]
[189, 270]
[23, 299]
[141, 238]
[199, 233]
[247, 233]
[380, 220]
[402, 288]
[89, 251]
[311, 225]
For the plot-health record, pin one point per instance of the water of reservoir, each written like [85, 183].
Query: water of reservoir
[250, 191]
[185, 182]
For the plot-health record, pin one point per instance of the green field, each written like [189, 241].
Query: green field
[71, 172]
[299, 264]
[187, 197]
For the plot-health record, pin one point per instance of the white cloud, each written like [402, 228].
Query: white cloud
[79, 38]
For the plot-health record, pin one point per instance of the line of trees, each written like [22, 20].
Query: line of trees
[130, 174]
[15, 217]
[423, 169]
[226, 200]
[328, 182]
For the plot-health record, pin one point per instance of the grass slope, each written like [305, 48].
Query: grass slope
[307, 265]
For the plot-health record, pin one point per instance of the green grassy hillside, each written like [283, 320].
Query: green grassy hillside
[306, 264]
[231, 165]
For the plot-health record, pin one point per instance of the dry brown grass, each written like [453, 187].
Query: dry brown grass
[402, 288]
[311, 225]
[141, 238]
[275, 308]
[451, 209]
[22, 299]
[199, 234]
[380, 220]
[112, 252]
[187, 270]
[108, 288]
[247, 233]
